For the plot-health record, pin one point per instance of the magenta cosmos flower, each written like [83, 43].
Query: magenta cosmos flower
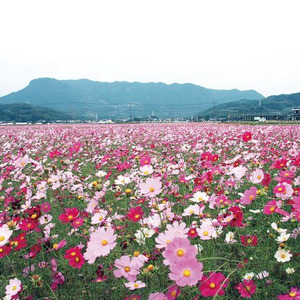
[151, 187]
[186, 272]
[212, 285]
[102, 241]
[178, 250]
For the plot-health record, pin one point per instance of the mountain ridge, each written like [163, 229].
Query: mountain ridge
[86, 98]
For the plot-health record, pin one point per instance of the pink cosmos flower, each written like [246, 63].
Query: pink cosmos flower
[102, 241]
[157, 296]
[249, 196]
[151, 187]
[179, 249]
[270, 207]
[186, 272]
[163, 239]
[127, 268]
[283, 190]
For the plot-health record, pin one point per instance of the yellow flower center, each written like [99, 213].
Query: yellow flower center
[186, 273]
[151, 189]
[205, 233]
[73, 253]
[200, 198]
[136, 253]
[34, 216]
[14, 287]
[77, 259]
[248, 288]
[272, 208]
[136, 285]
[137, 216]
[2, 238]
[70, 217]
[249, 241]
[168, 241]
[283, 256]
[55, 246]
[212, 285]
[146, 172]
[100, 218]
[292, 294]
[180, 252]
[104, 242]
[127, 269]
[191, 211]
[251, 197]
[258, 177]
[280, 189]
[23, 163]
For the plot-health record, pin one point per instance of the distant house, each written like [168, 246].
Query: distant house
[295, 114]
[260, 119]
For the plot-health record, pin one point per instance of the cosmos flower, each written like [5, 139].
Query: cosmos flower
[5, 234]
[102, 241]
[14, 287]
[151, 187]
[213, 284]
[186, 272]
[177, 250]
[246, 288]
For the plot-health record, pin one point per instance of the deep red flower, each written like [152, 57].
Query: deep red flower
[135, 214]
[29, 224]
[213, 285]
[70, 215]
[280, 163]
[238, 215]
[248, 240]
[192, 233]
[4, 250]
[75, 257]
[19, 242]
[34, 250]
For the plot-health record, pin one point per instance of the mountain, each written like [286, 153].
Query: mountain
[279, 105]
[86, 98]
[20, 112]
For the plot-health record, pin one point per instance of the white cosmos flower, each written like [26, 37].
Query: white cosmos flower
[283, 255]
[283, 237]
[142, 234]
[5, 234]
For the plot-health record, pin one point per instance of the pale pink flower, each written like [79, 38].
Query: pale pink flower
[186, 272]
[193, 210]
[135, 285]
[146, 170]
[206, 232]
[163, 239]
[200, 197]
[157, 296]
[101, 243]
[257, 176]
[127, 268]
[151, 187]
[14, 287]
[177, 229]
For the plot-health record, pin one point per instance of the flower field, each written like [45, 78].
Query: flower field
[150, 211]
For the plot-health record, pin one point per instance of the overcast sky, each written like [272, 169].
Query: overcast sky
[220, 44]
